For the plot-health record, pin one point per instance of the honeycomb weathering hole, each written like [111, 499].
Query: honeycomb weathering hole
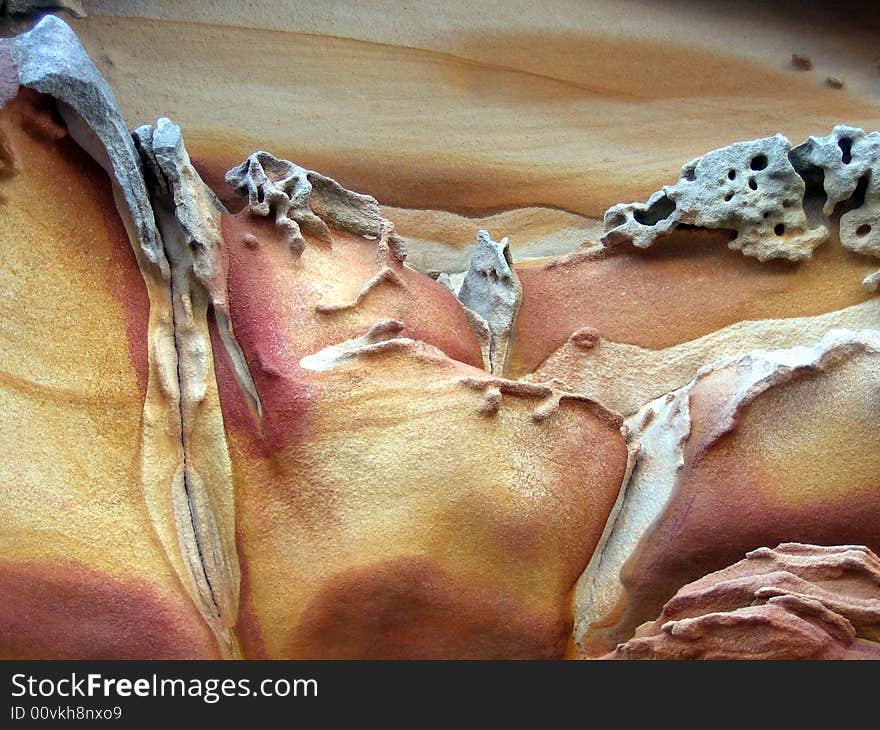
[659, 210]
[845, 145]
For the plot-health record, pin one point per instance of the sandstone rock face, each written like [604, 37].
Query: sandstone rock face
[249, 412]
[684, 287]
[793, 602]
[84, 573]
[728, 463]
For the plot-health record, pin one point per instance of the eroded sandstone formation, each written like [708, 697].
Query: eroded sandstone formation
[725, 465]
[792, 602]
[237, 422]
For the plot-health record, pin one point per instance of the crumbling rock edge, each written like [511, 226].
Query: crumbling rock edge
[383, 336]
[800, 598]
[658, 433]
[765, 193]
[172, 219]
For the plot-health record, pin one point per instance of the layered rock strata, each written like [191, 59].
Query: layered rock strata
[251, 429]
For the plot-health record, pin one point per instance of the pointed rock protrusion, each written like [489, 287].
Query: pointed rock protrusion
[492, 291]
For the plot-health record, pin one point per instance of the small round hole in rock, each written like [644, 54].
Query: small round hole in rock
[752, 184]
[731, 175]
[759, 162]
[689, 174]
[779, 229]
[863, 230]
[728, 197]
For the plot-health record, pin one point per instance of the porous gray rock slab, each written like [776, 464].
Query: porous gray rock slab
[847, 162]
[778, 202]
[750, 188]
[843, 157]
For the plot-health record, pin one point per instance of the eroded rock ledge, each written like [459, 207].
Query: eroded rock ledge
[792, 602]
[726, 454]
[334, 426]
[777, 202]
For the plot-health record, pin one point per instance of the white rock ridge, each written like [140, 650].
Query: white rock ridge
[491, 291]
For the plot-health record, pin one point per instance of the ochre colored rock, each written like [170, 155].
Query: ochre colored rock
[239, 422]
[384, 512]
[686, 285]
[83, 573]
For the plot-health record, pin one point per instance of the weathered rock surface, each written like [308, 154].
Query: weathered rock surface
[352, 480]
[252, 429]
[624, 377]
[287, 189]
[758, 191]
[685, 286]
[792, 602]
[366, 530]
[491, 291]
[749, 188]
[202, 501]
[846, 164]
[83, 574]
[738, 458]
[463, 112]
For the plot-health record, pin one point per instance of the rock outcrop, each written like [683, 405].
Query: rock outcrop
[739, 458]
[237, 423]
[792, 602]
[761, 192]
[491, 291]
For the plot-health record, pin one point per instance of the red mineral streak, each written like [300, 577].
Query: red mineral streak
[238, 417]
[248, 627]
[410, 608]
[124, 279]
[264, 337]
[67, 610]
